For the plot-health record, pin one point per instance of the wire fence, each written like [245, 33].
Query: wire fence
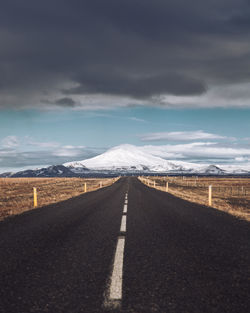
[228, 194]
[18, 194]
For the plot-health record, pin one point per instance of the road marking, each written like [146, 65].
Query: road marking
[113, 295]
[126, 201]
[123, 224]
[116, 278]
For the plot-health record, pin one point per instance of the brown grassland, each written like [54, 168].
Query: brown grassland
[16, 194]
[228, 194]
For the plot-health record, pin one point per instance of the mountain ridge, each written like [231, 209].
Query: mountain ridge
[127, 159]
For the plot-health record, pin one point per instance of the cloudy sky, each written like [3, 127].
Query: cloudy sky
[78, 77]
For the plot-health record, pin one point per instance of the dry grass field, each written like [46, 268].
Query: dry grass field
[228, 194]
[16, 194]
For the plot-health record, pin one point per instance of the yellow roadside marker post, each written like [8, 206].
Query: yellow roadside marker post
[210, 195]
[85, 187]
[167, 186]
[35, 197]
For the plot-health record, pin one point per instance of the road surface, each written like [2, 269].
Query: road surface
[124, 248]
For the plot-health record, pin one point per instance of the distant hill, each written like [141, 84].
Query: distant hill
[51, 171]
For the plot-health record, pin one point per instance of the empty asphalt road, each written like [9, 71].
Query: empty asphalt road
[124, 248]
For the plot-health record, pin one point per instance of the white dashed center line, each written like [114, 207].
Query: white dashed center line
[114, 295]
[116, 278]
[115, 288]
[123, 224]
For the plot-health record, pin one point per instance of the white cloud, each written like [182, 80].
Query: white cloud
[26, 152]
[10, 142]
[5, 152]
[180, 136]
[242, 159]
[68, 151]
[73, 147]
[136, 119]
[43, 145]
[17, 160]
[198, 151]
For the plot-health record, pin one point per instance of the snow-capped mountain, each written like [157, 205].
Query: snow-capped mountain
[130, 158]
[213, 170]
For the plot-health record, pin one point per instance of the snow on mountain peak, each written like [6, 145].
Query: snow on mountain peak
[126, 157]
[131, 158]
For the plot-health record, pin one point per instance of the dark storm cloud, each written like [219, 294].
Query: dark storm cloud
[67, 102]
[135, 48]
[138, 87]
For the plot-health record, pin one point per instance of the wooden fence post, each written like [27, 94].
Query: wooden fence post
[35, 197]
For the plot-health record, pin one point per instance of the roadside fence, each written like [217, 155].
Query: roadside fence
[226, 193]
[21, 194]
